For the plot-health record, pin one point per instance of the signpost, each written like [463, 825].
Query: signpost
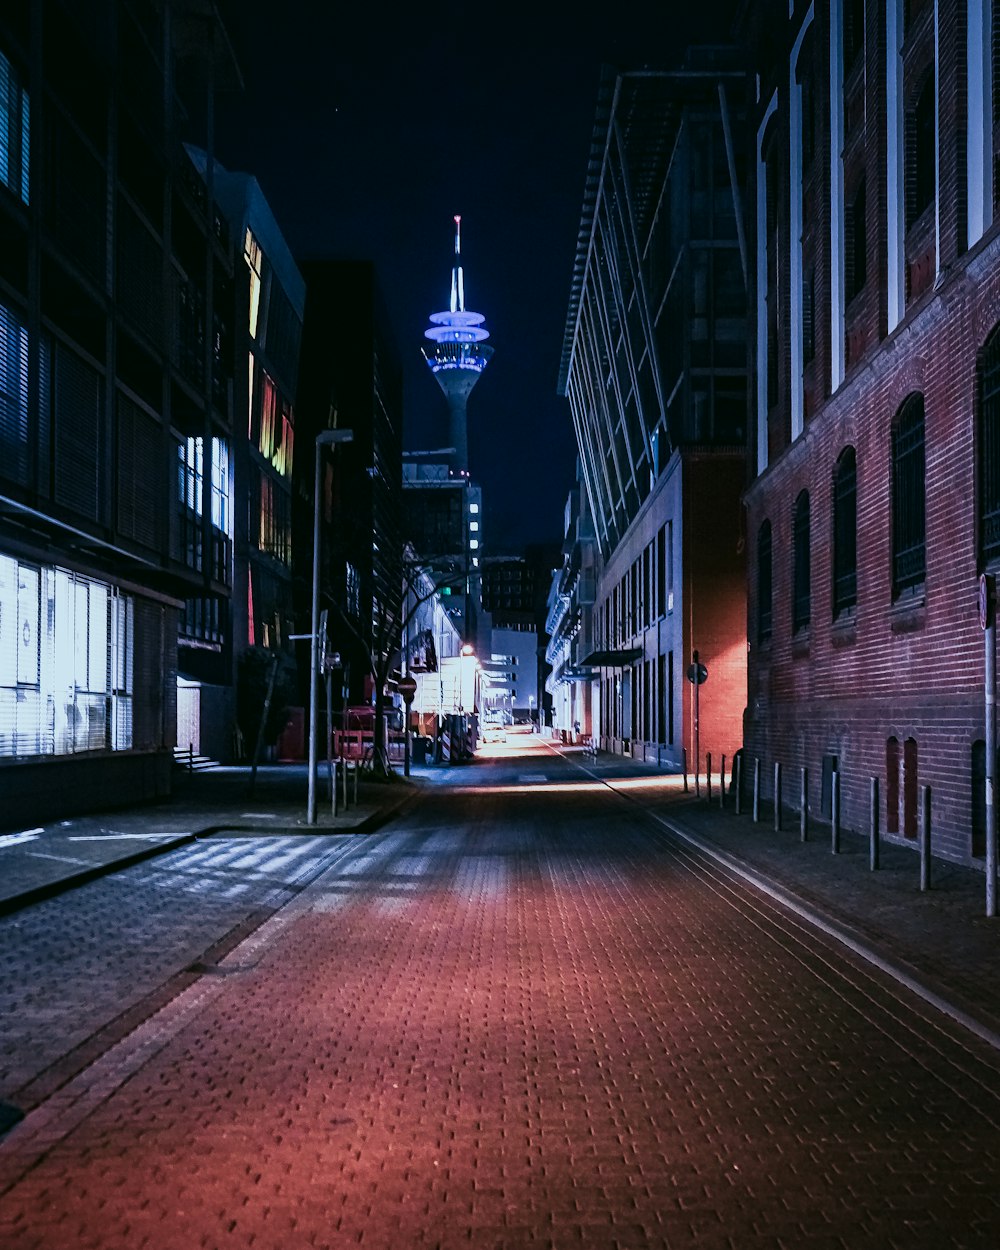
[697, 675]
[988, 624]
[407, 687]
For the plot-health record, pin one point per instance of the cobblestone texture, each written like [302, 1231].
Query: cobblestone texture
[522, 1020]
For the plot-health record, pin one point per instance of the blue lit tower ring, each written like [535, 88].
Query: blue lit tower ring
[458, 357]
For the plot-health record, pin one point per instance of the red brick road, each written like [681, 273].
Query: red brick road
[521, 1020]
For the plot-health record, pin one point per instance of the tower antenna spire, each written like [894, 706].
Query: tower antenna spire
[457, 280]
[457, 354]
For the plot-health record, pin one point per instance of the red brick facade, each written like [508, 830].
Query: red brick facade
[892, 687]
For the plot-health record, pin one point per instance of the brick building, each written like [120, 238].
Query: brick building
[875, 453]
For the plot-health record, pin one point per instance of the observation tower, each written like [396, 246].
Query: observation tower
[457, 355]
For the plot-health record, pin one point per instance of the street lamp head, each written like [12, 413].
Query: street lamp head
[325, 437]
[468, 649]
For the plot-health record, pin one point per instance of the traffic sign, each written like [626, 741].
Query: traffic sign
[697, 673]
[987, 600]
[407, 687]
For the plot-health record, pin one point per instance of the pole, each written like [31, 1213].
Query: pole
[738, 781]
[756, 789]
[835, 813]
[329, 742]
[314, 650]
[925, 838]
[777, 797]
[873, 845]
[722, 783]
[324, 438]
[697, 744]
[804, 806]
[991, 747]
[708, 775]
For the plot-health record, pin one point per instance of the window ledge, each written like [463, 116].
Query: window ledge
[909, 613]
[844, 632]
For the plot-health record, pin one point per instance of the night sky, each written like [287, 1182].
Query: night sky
[370, 126]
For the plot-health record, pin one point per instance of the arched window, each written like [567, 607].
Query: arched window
[892, 785]
[988, 448]
[856, 259]
[908, 511]
[764, 582]
[921, 171]
[845, 532]
[801, 596]
[910, 788]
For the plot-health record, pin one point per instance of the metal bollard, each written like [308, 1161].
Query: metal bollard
[344, 783]
[804, 805]
[708, 775]
[738, 780]
[777, 797]
[835, 814]
[722, 784]
[756, 790]
[925, 837]
[357, 770]
[684, 765]
[873, 838]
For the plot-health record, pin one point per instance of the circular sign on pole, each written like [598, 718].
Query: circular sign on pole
[987, 600]
[697, 673]
[407, 687]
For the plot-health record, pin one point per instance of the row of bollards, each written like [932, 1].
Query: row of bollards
[874, 839]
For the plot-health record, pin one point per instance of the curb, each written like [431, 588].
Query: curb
[62, 885]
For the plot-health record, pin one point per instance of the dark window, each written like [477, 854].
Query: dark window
[908, 528]
[804, 73]
[845, 532]
[764, 582]
[809, 316]
[892, 785]
[910, 788]
[989, 449]
[856, 260]
[801, 595]
[854, 32]
[921, 152]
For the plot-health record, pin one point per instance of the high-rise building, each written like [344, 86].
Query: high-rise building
[458, 357]
[654, 368]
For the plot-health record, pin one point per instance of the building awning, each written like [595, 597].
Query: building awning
[613, 659]
[578, 673]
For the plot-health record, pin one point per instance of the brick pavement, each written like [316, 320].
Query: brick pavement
[522, 1020]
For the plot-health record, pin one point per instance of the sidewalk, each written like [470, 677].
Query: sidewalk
[40, 862]
[940, 939]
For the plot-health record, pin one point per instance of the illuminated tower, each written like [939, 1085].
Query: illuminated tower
[458, 356]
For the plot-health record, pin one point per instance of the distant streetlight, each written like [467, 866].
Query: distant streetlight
[323, 439]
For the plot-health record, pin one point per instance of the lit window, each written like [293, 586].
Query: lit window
[473, 525]
[253, 257]
[66, 646]
[475, 562]
[14, 131]
[473, 508]
[473, 543]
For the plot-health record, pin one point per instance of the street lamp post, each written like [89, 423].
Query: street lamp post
[323, 439]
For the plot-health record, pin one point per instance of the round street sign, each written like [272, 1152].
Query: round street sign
[987, 600]
[407, 687]
[697, 673]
